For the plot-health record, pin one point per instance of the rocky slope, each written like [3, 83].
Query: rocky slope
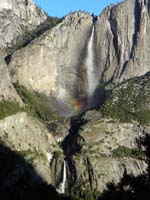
[29, 138]
[101, 152]
[129, 100]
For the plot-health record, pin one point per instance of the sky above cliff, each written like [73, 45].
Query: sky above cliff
[60, 8]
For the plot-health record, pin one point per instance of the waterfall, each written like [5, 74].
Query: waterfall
[61, 188]
[92, 78]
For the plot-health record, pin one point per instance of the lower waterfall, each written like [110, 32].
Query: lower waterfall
[61, 188]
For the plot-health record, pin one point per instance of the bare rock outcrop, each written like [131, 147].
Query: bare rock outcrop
[16, 18]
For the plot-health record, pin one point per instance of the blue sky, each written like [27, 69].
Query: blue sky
[62, 7]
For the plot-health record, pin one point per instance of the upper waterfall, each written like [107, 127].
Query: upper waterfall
[91, 71]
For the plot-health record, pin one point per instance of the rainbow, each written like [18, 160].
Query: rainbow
[76, 105]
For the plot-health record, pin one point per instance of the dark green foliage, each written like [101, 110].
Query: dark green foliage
[143, 116]
[129, 101]
[84, 194]
[9, 108]
[36, 105]
[27, 37]
[57, 154]
[123, 151]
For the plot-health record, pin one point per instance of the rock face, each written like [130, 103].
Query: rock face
[53, 64]
[16, 18]
[122, 39]
[7, 90]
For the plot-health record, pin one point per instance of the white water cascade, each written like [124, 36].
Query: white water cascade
[61, 188]
[91, 71]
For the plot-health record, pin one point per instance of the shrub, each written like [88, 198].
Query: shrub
[58, 154]
[8, 108]
[123, 151]
[84, 194]
[37, 105]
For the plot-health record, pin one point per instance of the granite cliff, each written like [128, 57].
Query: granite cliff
[120, 52]
[123, 40]
[56, 57]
